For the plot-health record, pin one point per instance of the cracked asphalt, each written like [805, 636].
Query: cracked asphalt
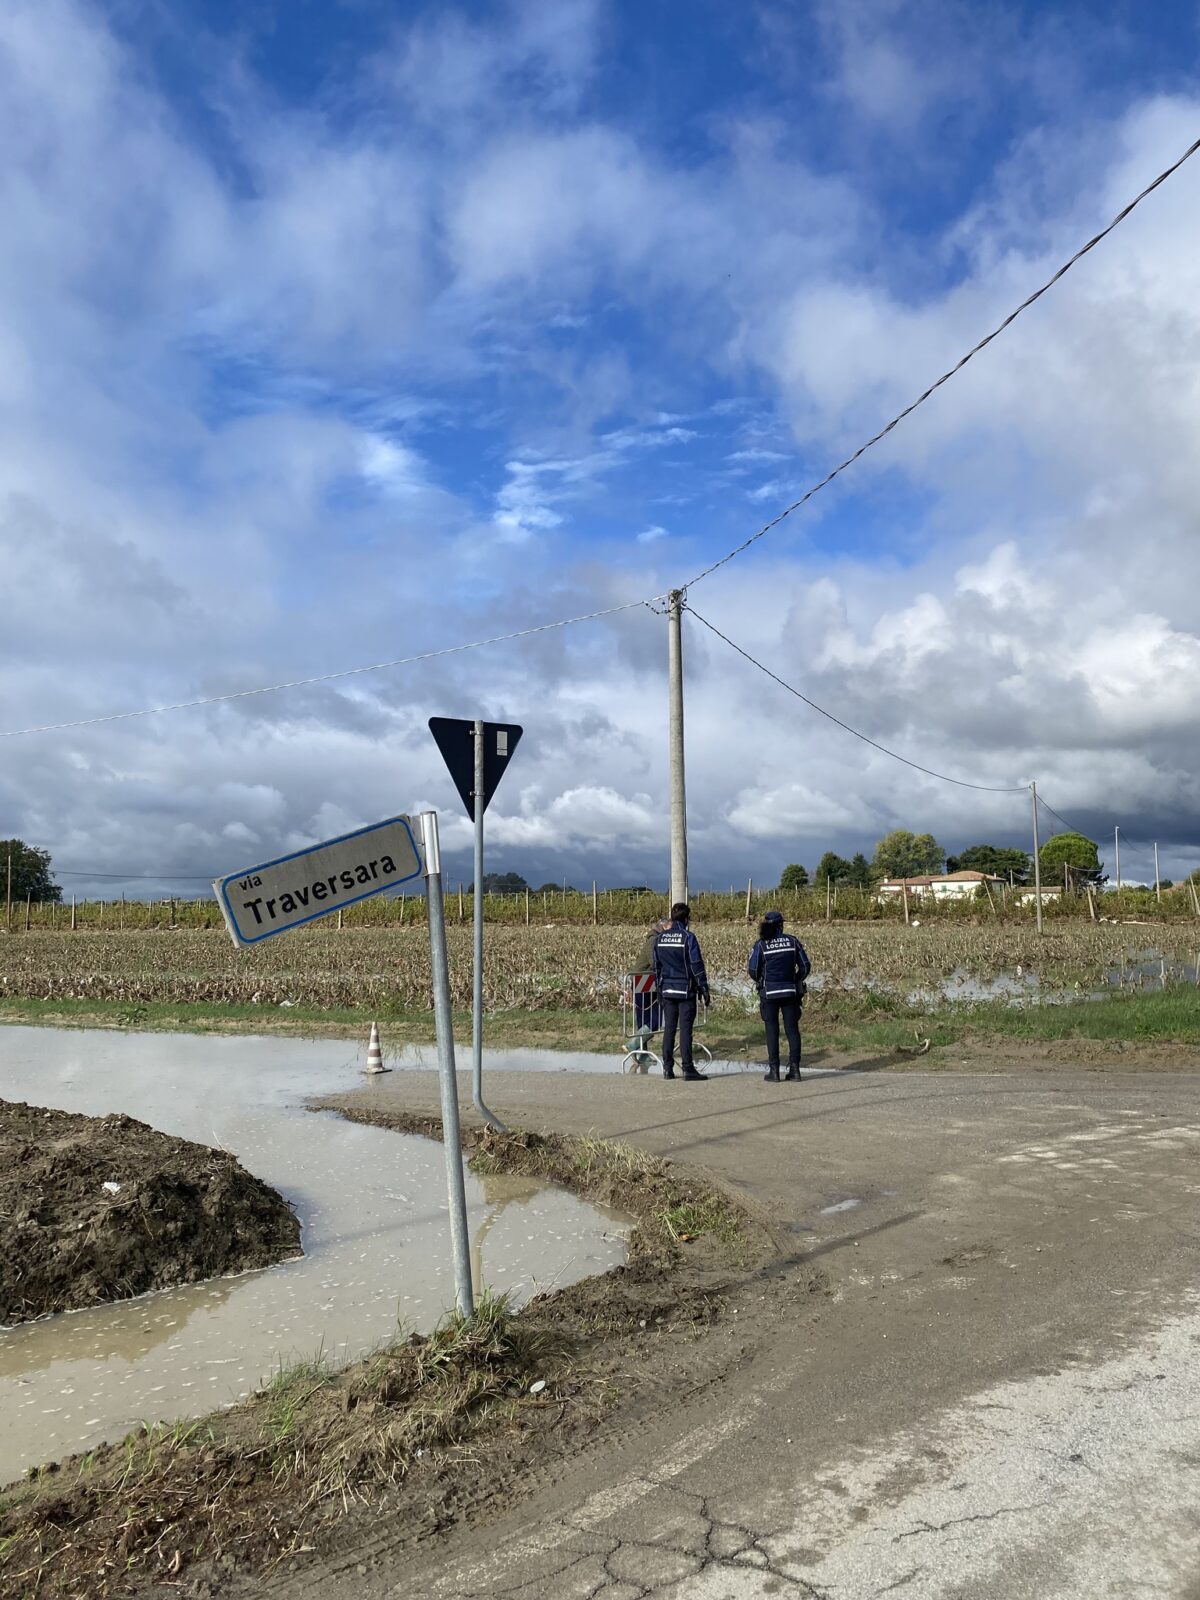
[998, 1397]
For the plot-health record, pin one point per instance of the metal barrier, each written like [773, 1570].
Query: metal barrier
[641, 1010]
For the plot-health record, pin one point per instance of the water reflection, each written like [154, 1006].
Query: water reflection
[372, 1206]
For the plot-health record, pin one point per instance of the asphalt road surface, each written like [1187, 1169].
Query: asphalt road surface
[996, 1396]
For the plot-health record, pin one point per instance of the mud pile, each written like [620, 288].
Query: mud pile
[94, 1209]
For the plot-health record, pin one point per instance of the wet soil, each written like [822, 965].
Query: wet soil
[427, 1432]
[95, 1209]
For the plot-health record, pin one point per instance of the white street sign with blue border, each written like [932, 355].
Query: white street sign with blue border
[260, 902]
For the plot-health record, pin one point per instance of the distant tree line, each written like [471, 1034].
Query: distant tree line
[901, 854]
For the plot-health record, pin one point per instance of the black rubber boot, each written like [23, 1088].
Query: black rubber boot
[668, 1072]
[793, 1075]
[771, 1075]
[696, 1077]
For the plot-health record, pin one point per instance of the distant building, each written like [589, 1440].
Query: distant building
[939, 886]
[1028, 895]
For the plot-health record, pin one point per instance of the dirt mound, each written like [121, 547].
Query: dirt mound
[94, 1209]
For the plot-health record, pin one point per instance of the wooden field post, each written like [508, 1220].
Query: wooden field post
[1157, 880]
[526, 905]
[595, 914]
[339, 918]
[1195, 897]
[904, 888]
[72, 911]
[460, 902]
[8, 898]
[121, 924]
[988, 889]
[403, 898]
[28, 907]
[828, 897]
[749, 892]
[1091, 902]
[545, 902]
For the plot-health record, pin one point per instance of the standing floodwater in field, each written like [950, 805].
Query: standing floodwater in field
[372, 1206]
[385, 971]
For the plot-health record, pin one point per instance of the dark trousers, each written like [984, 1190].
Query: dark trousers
[679, 1014]
[770, 1010]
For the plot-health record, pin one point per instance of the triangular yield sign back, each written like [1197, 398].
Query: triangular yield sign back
[456, 740]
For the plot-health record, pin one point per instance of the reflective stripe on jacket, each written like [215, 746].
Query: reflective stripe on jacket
[678, 964]
[779, 967]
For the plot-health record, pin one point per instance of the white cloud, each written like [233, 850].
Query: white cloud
[794, 811]
[390, 466]
[1035, 619]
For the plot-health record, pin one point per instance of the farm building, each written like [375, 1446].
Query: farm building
[940, 886]
[1028, 895]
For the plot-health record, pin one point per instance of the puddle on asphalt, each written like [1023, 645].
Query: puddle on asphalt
[842, 1205]
[375, 1233]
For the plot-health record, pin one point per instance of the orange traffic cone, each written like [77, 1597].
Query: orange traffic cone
[375, 1053]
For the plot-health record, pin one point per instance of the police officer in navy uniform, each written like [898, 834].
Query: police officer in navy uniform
[779, 965]
[679, 970]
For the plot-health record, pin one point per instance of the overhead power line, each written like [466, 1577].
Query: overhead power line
[130, 877]
[950, 371]
[326, 677]
[1070, 826]
[591, 616]
[987, 788]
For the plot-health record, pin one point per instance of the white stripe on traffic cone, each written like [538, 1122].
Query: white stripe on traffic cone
[374, 1053]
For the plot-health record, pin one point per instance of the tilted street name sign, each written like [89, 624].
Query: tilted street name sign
[259, 902]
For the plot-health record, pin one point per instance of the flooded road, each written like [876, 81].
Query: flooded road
[372, 1205]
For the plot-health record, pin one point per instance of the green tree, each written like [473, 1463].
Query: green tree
[501, 883]
[30, 872]
[901, 854]
[794, 876]
[992, 858]
[831, 866]
[860, 874]
[1073, 850]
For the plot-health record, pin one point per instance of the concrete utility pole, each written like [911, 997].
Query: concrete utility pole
[1117, 847]
[1037, 860]
[679, 862]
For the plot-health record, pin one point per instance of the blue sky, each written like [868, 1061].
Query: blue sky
[336, 332]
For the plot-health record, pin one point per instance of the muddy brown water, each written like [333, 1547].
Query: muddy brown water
[372, 1206]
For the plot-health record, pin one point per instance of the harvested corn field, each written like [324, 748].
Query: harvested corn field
[384, 970]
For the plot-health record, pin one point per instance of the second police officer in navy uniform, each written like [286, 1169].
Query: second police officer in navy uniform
[779, 965]
[679, 970]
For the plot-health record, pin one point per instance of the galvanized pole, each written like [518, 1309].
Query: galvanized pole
[444, 1024]
[1037, 860]
[489, 1117]
[679, 861]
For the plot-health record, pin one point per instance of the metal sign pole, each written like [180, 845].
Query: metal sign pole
[1037, 859]
[489, 1117]
[444, 1023]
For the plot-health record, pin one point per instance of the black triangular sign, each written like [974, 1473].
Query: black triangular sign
[456, 740]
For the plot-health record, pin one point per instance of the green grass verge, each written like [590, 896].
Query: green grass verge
[876, 1024]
